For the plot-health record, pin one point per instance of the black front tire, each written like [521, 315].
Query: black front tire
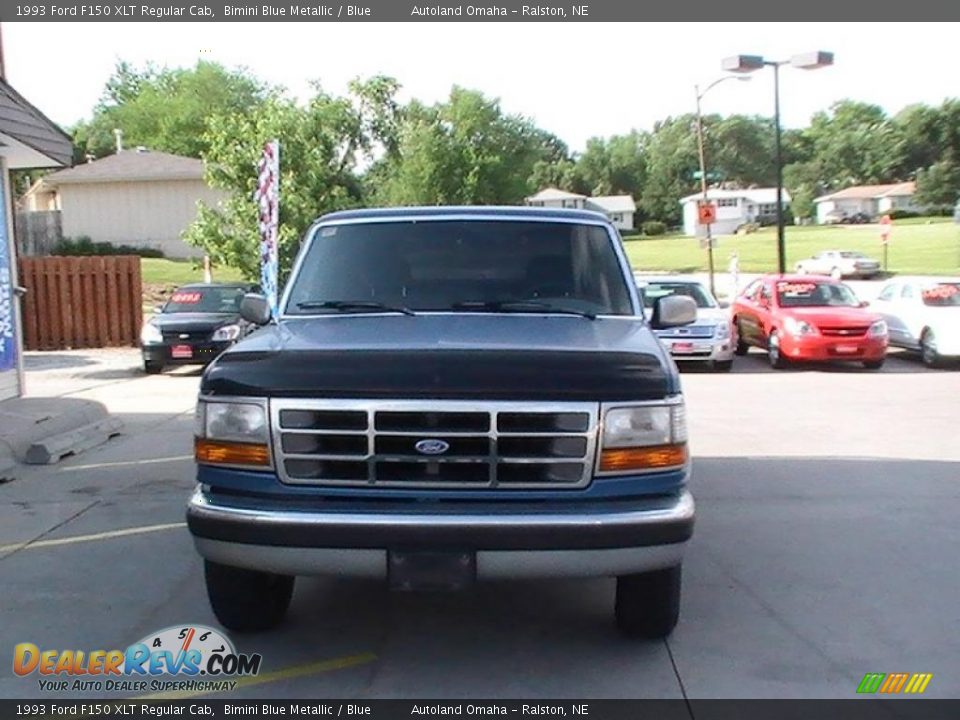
[648, 605]
[742, 347]
[721, 366]
[775, 353]
[152, 367]
[928, 350]
[247, 600]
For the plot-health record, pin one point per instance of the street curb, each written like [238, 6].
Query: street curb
[44, 430]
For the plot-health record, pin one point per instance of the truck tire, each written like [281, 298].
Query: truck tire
[247, 600]
[648, 605]
[152, 367]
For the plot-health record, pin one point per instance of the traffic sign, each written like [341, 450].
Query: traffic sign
[706, 213]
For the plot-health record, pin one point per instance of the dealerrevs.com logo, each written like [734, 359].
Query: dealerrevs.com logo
[187, 652]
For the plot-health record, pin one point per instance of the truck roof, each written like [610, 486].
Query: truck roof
[491, 211]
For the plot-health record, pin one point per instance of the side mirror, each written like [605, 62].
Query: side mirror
[673, 310]
[255, 309]
[864, 303]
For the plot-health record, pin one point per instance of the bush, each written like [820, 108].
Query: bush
[900, 214]
[654, 227]
[84, 246]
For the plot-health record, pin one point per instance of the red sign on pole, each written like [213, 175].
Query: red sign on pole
[706, 213]
[886, 224]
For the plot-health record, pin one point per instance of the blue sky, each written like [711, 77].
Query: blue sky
[575, 80]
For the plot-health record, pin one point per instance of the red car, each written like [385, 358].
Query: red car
[802, 318]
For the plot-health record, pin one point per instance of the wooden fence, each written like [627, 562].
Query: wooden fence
[81, 302]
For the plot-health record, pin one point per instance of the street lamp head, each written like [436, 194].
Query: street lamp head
[812, 60]
[742, 63]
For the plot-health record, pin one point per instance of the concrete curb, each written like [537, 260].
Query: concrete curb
[45, 430]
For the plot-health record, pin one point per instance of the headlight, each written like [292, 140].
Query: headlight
[878, 329]
[722, 330]
[151, 335]
[798, 327]
[646, 437]
[227, 332]
[232, 433]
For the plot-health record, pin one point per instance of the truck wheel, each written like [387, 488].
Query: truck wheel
[152, 367]
[721, 365]
[648, 605]
[247, 600]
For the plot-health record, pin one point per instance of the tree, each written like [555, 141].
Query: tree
[321, 145]
[166, 109]
[939, 184]
[616, 166]
[464, 151]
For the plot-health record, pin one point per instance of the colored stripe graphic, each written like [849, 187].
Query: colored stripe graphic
[893, 683]
[871, 683]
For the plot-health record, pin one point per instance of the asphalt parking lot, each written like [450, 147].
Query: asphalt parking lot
[826, 547]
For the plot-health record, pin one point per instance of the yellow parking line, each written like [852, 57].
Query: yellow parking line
[289, 673]
[121, 463]
[90, 538]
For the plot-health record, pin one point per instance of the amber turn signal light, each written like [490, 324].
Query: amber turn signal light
[221, 452]
[643, 458]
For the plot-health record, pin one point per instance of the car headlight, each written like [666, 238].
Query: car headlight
[150, 334]
[878, 329]
[798, 327]
[227, 332]
[722, 330]
[644, 437]
[232, 433]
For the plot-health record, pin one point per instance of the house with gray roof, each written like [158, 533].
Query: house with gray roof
[136, 197]
[619, 209]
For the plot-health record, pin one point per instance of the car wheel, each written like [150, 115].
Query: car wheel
[648, 604]
[836, 274]
[873, 364]
[742, 347]
[247, 600]
[774, 355]
[721, 365]
[928, 350]
[151, 367]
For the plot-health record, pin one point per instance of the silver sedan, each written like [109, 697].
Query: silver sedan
[709, 339]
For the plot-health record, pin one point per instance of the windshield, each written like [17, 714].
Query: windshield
[941, 295]
[464, 265]
[814, 294]
[205, 300]
[653, 291]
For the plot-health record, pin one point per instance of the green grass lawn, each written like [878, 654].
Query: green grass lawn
[163, 271]
[916, 247]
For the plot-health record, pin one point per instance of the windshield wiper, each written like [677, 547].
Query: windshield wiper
[519, 306]
[359, 306]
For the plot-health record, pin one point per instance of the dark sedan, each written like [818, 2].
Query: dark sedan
[195, 325]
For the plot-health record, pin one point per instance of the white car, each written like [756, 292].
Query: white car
[924, 315]
[839, 264]
[710, 339]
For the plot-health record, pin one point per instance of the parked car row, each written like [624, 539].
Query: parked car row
[811, 318]
[839, 264]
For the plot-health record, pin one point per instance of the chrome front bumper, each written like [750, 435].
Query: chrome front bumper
[651, 535]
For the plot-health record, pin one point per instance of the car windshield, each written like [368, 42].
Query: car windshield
[205, 300]
[803, 293]
[460, 265]
[942, 295]
[653, 291]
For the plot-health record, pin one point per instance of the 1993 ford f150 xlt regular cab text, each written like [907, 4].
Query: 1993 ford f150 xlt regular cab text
[446, 395]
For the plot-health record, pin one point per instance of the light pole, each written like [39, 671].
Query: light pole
[749, 63]
[703, 166]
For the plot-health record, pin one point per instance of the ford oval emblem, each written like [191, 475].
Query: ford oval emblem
[432, 446]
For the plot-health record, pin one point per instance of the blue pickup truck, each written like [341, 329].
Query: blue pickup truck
[447, 395]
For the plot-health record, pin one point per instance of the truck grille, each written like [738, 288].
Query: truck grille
[434, 443]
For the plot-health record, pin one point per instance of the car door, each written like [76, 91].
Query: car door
[912, 314]
[888, 306]
[747, 313]
[765, 312]
[816, 264]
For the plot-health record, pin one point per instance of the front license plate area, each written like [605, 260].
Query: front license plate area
[682, 348]
[431, 570]
[846, 349]
[181, 352]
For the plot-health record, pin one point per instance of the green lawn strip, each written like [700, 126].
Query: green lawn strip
[915, 248]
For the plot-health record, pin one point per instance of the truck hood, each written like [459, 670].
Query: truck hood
[448, 356]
